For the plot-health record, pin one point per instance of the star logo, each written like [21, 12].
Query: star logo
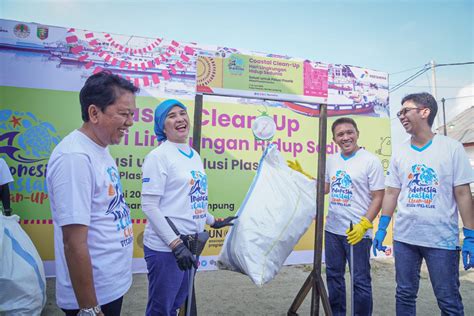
[15, 121]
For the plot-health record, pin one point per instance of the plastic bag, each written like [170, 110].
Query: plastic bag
[22, 280]
[278, 209]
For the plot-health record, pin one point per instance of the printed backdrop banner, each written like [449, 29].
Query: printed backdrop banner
[263, 77]
[44, 67]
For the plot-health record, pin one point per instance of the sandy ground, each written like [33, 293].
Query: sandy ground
[230, 293]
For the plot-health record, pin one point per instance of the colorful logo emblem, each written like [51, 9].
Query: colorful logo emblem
[225, 51]
[118, 208]
[198, 183]
[198, 194]
[21, 30]
[341, 189]
[27, 143]
[42, 32]
[422, 185]
[206, 71]
[24, 138]
[236, 65]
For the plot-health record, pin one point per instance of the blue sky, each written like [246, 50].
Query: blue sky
[390, 36]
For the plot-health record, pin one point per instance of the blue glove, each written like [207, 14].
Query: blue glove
[468, 248]
[380, 234]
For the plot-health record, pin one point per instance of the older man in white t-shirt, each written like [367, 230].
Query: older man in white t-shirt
[93, 233]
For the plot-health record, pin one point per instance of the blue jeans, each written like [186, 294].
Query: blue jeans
[443, 268]
[337, 251]
[167, 284]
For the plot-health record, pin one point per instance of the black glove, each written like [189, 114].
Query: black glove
[224, 222]
[184, 257]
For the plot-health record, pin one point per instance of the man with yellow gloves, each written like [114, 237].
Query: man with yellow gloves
[355, 183]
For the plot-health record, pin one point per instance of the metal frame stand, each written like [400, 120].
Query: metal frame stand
[314, 279]
[186, 309]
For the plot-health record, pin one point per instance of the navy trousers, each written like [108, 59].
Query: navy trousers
[167, 284]
[337, 251]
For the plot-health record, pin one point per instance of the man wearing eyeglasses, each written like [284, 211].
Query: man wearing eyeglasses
[428, 181]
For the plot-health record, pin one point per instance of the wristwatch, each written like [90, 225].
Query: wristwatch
[93, 311]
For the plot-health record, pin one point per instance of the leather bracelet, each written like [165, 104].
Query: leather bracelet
[175, 243]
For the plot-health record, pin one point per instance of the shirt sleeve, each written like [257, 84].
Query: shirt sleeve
[71, 180]
[158, 222]
[376, 177]
[5, 174]
[393, 178]
[154, 175]
[326, 172]
[210, 218]
[462, 170]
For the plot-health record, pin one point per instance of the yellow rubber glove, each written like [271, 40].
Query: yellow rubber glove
[297, 167]
[358, 231]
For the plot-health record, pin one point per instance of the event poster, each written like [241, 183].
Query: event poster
[44, 67]
[253, 76]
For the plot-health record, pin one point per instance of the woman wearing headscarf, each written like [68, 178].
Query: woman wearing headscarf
[174, 189]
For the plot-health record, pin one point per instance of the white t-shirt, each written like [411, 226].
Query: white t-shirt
[84, 188]
[176, 174]
[351, 180]
[5, 174]
[427, 212]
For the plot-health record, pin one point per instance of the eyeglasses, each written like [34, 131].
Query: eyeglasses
[405, 110]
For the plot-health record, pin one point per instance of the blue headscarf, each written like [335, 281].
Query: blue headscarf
[161, 112]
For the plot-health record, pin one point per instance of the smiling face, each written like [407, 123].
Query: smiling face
[346, 136]
[177, 125]
[413, 118]
[109, 126]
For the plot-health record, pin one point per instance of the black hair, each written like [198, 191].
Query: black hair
[102, 89]
[424, 100]
[343, 120]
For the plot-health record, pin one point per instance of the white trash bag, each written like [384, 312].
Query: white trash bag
[22, 280]
[278, 209]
